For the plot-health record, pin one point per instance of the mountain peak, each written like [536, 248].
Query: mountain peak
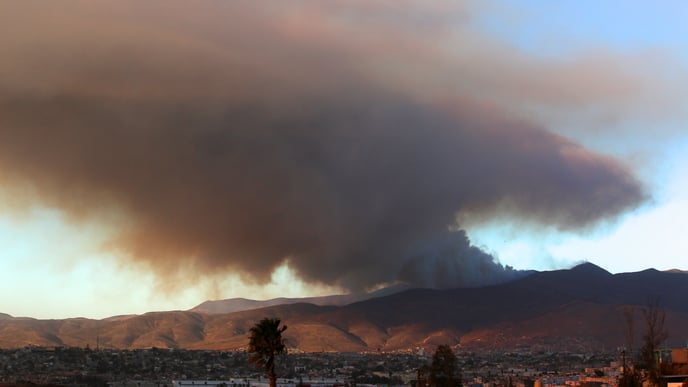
[589, 269]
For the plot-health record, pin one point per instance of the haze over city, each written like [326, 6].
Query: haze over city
[154, 155]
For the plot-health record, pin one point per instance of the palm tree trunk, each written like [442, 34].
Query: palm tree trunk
[272, 377]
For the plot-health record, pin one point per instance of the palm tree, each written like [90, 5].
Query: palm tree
[265, 343]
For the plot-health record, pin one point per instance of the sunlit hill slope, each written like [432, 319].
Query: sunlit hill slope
[577, 309]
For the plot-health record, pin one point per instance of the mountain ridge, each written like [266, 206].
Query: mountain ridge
[579, 309]
[239, 304]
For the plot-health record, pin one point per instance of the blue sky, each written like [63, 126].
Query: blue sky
[609, 75]
[559, 27]
[650, 236]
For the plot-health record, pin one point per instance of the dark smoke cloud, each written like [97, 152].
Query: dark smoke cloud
[238, 138]
[450, 259]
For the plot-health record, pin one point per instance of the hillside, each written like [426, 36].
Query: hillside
[577, 309]
[232, 305]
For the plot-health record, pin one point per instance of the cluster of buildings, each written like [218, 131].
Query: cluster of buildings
[673, 367]
[186, 368]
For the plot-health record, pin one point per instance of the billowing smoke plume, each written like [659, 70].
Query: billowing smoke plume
[450, 260]
[238, 137]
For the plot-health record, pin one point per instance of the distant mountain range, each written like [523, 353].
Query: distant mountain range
[232, 305]
[580, 309]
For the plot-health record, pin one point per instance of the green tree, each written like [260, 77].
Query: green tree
[265, 343]
[444, 370]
